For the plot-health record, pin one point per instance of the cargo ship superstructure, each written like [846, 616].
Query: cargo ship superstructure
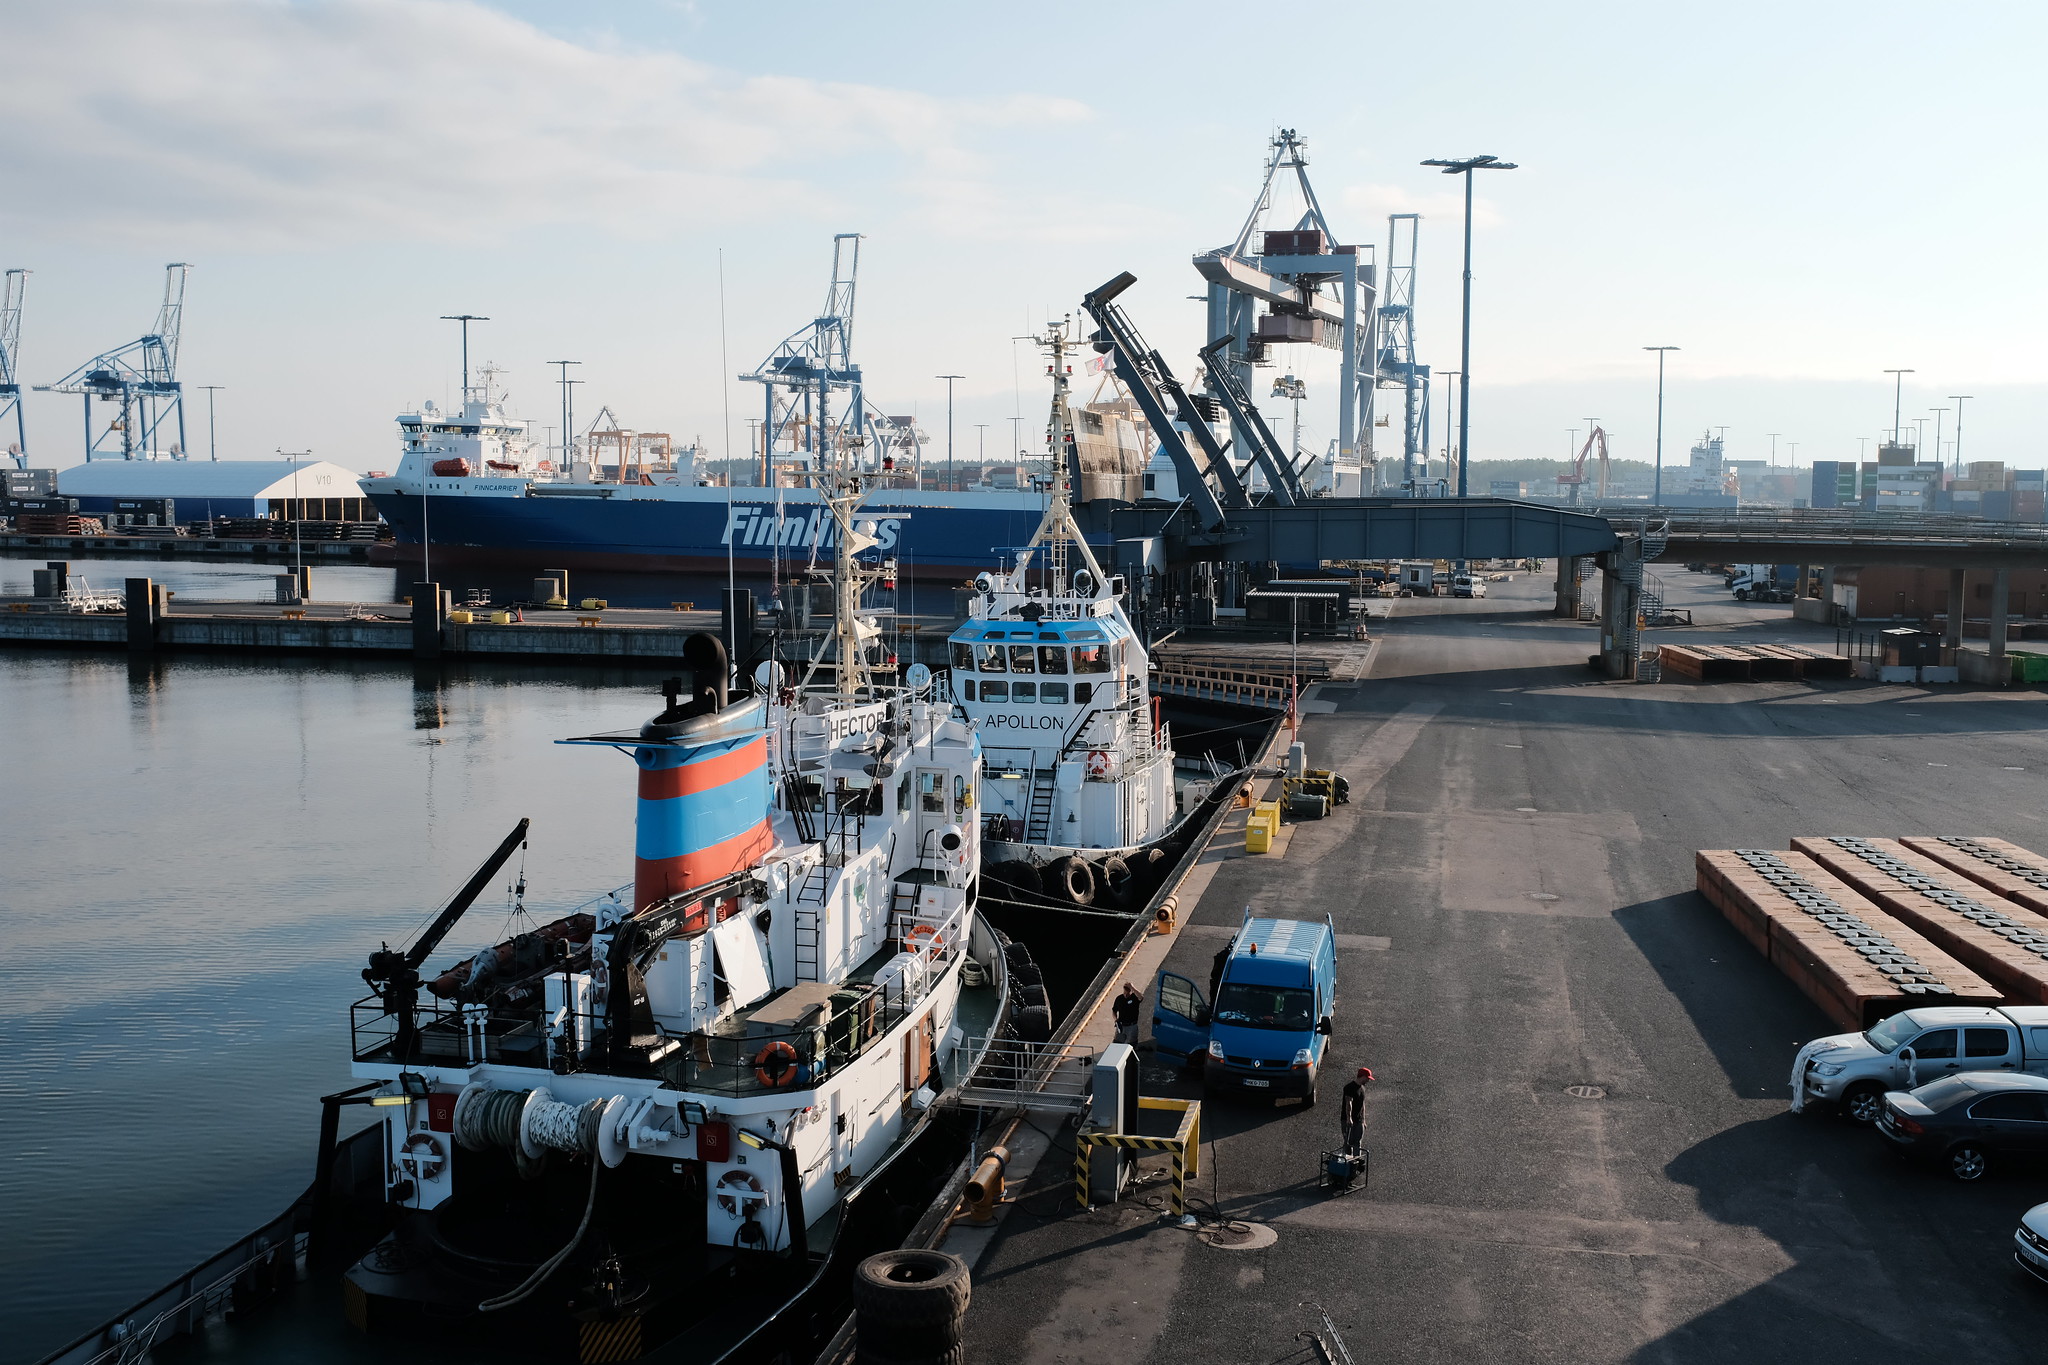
[649, 1119]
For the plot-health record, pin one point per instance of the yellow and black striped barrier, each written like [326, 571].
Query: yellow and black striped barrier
[600, 1343]
[1185, 1146]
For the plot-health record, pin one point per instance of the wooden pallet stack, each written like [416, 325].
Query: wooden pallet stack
[1847, 955]
[1722, 663]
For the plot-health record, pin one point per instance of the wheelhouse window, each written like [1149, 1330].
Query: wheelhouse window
[991, 660]
[963, 656]
[1052, 694]
[1091, 659]
[1023, 659]
[1082, 692]
[1023, 692]
[1052, 659]
[967, 690]
[994, 690]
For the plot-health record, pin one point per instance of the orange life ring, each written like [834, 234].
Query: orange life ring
[784, 1056]
[1098, 763]
[921, 932]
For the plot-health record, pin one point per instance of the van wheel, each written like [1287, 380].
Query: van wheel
[1308, 1100]
[1863, 1103]
[1966, 1161]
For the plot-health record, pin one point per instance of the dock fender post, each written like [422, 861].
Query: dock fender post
[793, 1193]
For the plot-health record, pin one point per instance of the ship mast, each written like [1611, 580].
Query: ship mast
[841, 488]
[1058, 530]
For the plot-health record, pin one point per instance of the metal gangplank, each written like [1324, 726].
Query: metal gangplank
[1013, 1074]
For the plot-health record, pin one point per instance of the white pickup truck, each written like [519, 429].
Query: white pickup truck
[1854, 1070]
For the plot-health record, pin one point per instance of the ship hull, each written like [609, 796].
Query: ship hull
[681, 530]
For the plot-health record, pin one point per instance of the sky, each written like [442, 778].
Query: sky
[1800, 197]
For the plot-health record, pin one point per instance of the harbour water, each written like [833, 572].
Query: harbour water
[199, 854]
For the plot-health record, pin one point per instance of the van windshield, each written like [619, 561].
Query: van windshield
[1887, 1036]
[1274, 1007]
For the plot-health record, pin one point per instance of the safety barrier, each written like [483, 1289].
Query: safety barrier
[1273, 691]
[1185, 1146]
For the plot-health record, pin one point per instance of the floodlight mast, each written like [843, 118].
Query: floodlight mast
[1465, 166]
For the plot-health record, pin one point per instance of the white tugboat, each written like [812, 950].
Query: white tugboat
[654, 1119]
[1079, 782]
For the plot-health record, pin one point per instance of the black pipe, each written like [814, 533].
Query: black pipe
[323, 1163]
[793, 1192]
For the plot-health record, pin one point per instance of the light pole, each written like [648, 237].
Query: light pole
[1774, 435]
[1451, 378]
[1939, 413]
[212, 450]
[568, 417]
[1920, 435]
[1957, 399]
[465, 319]
[1465, 167]
[1287, 386]
[1657, 496]
[949, 378]
[1898, 390]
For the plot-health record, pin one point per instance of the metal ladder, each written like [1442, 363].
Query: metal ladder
[809, 945]
[815, 882]
[1038, 817]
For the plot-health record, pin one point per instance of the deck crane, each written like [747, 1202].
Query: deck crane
[1396, 360]
[10, 354]
[1595, 438]
[1281, 475]
[1314, 291]
[800, 376]
[142, 377]
[1164, 402]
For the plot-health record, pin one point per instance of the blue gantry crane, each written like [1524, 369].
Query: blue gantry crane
[1397, 368]
[1314, 290]
[10, 354]
[799, 378]
[142, 377]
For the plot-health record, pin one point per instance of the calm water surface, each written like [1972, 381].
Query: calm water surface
[198, 855]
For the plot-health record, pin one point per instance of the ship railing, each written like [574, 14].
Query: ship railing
[933, 939]
[1012, 1073]
[446, 1034]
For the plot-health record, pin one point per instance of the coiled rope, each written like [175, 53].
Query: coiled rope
[495, 1118]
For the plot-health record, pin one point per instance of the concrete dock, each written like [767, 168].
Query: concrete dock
[1581, 1146]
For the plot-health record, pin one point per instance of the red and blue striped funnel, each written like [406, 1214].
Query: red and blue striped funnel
[703, 814]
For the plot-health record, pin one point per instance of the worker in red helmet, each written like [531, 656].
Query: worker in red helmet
[1351, 1112]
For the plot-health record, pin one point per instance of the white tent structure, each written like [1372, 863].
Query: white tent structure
[312, 490]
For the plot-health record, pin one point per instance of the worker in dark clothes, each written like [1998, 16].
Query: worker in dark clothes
[1351, 1112]
[1216, 968]
[1127, 1008]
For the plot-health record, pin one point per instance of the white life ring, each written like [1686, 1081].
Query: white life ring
[1098, 763]
[738, 1189]
[422, 1157]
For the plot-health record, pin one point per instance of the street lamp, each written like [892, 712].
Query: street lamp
[1657, 497]
[212, 450]
[1465, 167]
[1939, 413]
[465, 319]
[1957, 399]
[1898, 389]
[949, 378]
[1451, 378]
[568, 415]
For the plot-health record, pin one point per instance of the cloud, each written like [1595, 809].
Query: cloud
[258, 123]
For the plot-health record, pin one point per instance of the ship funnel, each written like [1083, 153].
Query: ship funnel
[704, 790]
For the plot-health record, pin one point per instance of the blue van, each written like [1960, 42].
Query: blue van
[1270, 1024]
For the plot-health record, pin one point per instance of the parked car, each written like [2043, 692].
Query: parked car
[1464, 586]
[1854, 1070]
[1964, 1122]
[2030, 1242]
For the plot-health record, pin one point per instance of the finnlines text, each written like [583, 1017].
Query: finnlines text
[795, 529]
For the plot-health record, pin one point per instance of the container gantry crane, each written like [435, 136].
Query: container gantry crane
[800, 376]
[10, 353]
[1314, 290]
[142, 377]
[1397, 367]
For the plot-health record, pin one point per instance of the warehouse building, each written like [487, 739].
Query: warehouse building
[306, 490]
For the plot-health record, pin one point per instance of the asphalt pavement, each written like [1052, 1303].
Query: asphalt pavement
[1581, 1147]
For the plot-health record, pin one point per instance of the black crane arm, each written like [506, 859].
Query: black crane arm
[1135, 364]
[1265, 446]
[474, 887]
